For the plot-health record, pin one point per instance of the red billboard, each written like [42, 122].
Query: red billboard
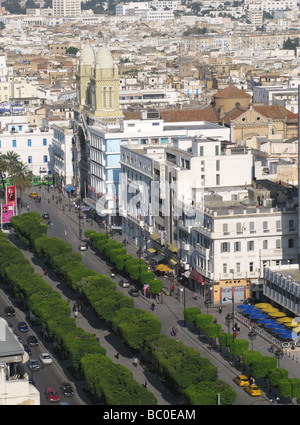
[7, 211]
[11, 195]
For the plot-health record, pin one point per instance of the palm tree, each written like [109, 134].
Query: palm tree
[2, 171]
[8, 160]
[21, 177]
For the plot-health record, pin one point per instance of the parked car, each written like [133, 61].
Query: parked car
[7, 228]
[33, 364]
[45, 358]
[32, 341]
[124, 284]
[242, 381]
[133, 292]
[253, 390]
[51, 394]
[18, 338]
[46, 216]
[66, 389]
[9, 311]
[27, 349]
[22, 326]
[33, 195]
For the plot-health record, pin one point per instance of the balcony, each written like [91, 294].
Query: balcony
[203, 251]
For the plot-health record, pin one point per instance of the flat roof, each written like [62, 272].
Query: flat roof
[294, 273]
[10, 346]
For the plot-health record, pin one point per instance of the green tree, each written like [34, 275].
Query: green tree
[209, 393]
[21, 177]
[71, 50]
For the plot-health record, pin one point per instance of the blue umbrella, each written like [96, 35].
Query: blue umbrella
[245, 306]
[272, 326]
[257, 316]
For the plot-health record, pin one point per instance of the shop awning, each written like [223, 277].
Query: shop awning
[158, 258]
[196, 277]
[172, 248]
[173, 262]
[151, 250]
[163, 268]
[70, 188]
[155, 236]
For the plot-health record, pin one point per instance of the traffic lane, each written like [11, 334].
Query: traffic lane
[48, 375]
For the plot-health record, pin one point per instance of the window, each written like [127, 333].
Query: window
[218, 165]
[14, 143]
[291, 243]
[251, 267]
[201, 150]
[250, 245]
[238, 267]
[225, 228]
[265, 226]
[265, 244]
[278, 225]
[217, 150]
[225, 247]
[45, 158]
[30, 160]
[28, 142]
[224, 268]
[278, 243]
[238, 227]
[44, 142]
[291, 225]
[251, 227]
[237, 246]
[217, 179]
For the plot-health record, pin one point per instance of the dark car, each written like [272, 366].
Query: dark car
[32, 341]
[66, 389]
[33, 364]
[27, 349]
[10, 311]
[11, 326]
[133, 292]
[46, 216]
[22, 326]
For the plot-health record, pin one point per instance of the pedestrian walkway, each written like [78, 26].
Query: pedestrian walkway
[170, 312]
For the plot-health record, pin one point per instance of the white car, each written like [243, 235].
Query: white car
[45, 358]
[82, 247]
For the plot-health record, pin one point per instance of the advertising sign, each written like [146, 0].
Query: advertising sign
[11, 196]
[7, 211]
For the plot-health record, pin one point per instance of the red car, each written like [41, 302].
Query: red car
[51, 394]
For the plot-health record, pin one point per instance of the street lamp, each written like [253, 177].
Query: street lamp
[252, 336]
[207, 302]
[232, 315]
[278, 354]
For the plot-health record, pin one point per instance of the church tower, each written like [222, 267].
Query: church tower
[85, 70]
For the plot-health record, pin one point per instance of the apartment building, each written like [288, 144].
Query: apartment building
[238, 240]
[32, 143]
[63, 155]
[66, 8]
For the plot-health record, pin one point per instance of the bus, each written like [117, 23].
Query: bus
[35, 181]
[48, 179]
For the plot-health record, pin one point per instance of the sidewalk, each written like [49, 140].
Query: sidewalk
[170, 313]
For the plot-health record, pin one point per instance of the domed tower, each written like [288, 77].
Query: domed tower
[105, 86]
[85, 70]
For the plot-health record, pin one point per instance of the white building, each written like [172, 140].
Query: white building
[32, 143]
[68, 8]
[15, 388]
[63, 161]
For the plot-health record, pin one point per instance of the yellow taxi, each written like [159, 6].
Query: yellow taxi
[253, 390]
[242, 381]
[34, 195]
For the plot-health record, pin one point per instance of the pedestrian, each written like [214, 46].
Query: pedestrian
[66, 232]
[234, 335]
[51, 222]
[152, 306]
[173, 288]
[195, 296]
[145, 383]
[75, 314]
[135, 361]
[215, 320]
[220, 309]
[27, 207]
[117, 354]
[45, 272]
